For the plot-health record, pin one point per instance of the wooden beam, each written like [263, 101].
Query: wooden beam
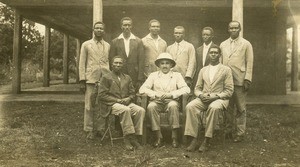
[17, 44]
[66, 59]
[78, 45]
[46, 58]
[294, 71]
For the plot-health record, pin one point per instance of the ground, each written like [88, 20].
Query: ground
[34, 134]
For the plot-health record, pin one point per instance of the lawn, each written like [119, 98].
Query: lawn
[34, 134]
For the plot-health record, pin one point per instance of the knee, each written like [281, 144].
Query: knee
[215, 107]
[151, 106]
[173, 105]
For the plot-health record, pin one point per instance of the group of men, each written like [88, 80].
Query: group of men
[219, 77]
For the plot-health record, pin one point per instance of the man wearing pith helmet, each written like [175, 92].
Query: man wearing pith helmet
[164, 87]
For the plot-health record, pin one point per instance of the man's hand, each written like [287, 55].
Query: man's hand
[207, 98]
[188, 81]
[246, 85]
[125, 101]
[82, 85]
[166, 96]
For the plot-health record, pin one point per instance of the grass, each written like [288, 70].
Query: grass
[51, 134]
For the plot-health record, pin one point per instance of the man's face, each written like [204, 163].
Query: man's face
[126, 26]
[234, 30]
[214, 55]
[165, 66]
[117, 65]
[154, 28]
[99, 30]
[178, 34]
[206, 36]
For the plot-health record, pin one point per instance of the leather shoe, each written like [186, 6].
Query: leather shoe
[157, 143]
[193, 145]
[238, 139]
[135, 143]
[128, 146]
[174, 143]
[203, 147]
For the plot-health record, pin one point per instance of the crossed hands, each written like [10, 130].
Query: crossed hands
[125, 101]
[207, 98]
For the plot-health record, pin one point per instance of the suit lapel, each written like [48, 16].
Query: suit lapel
[132, 44]
[206, 76]
[122, 44]
[95, 47]
[217, 75]
[152, 44]
[116, 80]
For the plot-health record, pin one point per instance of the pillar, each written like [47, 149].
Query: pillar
[46, 58]
[77, 59]
[294, 71]
[17, 44]
[66, 60]
[238, 13]
[97, 11]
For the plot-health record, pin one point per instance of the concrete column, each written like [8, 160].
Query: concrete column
[238, 13]
[46, 58]
[17, 44]
[97, 11]
[66, 60]
[77, 59]
[294, 72]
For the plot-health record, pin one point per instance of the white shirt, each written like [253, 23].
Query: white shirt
[127, 42]
[212, 71]
[154, 40]
[205, 50]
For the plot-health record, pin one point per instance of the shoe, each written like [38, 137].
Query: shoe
[90, 135]
[127, 143]
[238, 139]
[192, 147]
[175, 143]
[203, 147]
[158, 143]
[135, 143]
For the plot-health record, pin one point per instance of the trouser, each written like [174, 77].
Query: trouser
[207, 115]
[131, 118]
[172, 109]
[237, 120]
[91, 112]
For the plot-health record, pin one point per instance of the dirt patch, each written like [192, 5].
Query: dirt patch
[51, 134]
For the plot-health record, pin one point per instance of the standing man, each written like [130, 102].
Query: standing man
[184, 55]
[153, 46]
[238, 55]
[164, 87]
[213, 90]
[116, 94]
[131, 49]
[202, 57]
[92, 63]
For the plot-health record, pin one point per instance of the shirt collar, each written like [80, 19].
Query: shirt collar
[150, 37]
[170, 73]
[121, 36]
[207, 45]
[101, 41]
[180, 43]
[234, 40]
[215, 65]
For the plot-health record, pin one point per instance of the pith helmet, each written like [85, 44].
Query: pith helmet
[165, 56]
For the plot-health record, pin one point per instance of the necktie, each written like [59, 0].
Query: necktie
[232, 45]
[177, 49]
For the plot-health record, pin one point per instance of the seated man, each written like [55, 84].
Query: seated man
[164, 88]
[116, 94]
[213, 90]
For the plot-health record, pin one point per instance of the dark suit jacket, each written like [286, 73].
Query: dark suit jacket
[134, 63]
[111, 89]
[199, 61]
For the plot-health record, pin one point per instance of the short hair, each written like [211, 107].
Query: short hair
[153, 21]
[234, 21]
[210, 29]
[117, 56]
[126, 18]
[215, 46]
[180, 27]
[99, 22]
